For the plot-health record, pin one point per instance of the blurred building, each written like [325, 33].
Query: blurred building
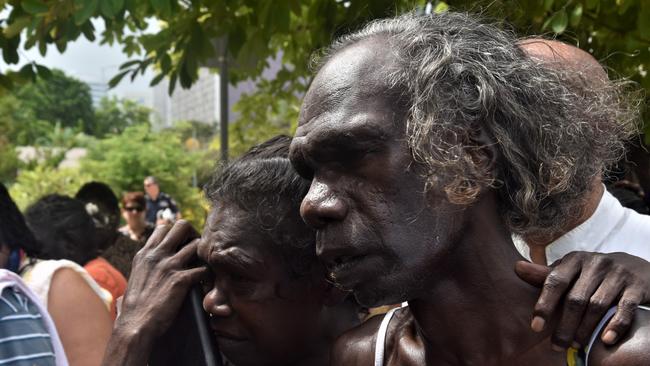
[201, 101]
[198, 103]
[98, 90]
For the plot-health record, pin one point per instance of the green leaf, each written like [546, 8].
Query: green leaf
[162, 6]
[43, 72]
[85, 9]
[106, 8]
[129, 64]
[10, 55]
[441, 7]
[624, 5]
[559, 21]
[34, 6]
[117, 5]
[88, 31]
[117, 78]
[295, 7]
[643, 21]
[592, 4]
[27, 72]
[548, 5]
[165, 63]
[172, 83]
[157, 79]
[282, 16]
[16, 27]
[576, 16]
[42, 47]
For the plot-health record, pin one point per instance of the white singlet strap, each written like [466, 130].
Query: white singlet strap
[381, 337]
[610, 314]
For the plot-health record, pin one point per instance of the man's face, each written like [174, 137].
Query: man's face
[377, 231]
[259, 313]
[151, 188]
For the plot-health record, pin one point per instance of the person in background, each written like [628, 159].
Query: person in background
[161, 208]
[137, 228]
[23, 318]
[68, 294]
[102, 205]
[66, 231]
[267, 296]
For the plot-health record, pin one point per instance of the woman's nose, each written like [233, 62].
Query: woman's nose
[216, 303]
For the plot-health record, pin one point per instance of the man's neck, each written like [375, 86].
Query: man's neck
[477, 308]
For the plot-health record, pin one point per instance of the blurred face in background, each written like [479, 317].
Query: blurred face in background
[151, 188]
[133, 213]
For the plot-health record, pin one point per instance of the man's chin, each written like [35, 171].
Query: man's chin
[374, 297]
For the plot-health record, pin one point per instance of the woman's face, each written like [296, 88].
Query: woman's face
[259, 313]
[133, 213]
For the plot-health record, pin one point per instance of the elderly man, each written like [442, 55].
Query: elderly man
[429, 139]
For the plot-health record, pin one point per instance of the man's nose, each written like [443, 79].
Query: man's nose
[322, 205]
[216, 303]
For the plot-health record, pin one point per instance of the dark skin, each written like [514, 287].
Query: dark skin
[381, 237]
[159, 281]
[261, 314]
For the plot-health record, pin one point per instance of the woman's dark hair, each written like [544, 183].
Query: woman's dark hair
[103, 207]
[263, 183]
[13, 230]
[135, 197]
[63, 228]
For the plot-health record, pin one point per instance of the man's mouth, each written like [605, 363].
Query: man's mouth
[340, 267]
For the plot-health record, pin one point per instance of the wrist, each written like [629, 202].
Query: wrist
[130, 344]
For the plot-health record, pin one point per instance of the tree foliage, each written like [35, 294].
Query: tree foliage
[616, 31]
[114, 115]
[59, 99]
[124, 160]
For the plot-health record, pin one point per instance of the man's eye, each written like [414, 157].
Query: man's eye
[240, 279]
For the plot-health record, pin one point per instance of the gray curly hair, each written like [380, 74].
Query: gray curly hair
[553, 130]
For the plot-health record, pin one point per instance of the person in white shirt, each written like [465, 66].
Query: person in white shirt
[600, 225]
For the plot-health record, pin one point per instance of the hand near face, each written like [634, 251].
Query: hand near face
[583, 286]
[159, 282]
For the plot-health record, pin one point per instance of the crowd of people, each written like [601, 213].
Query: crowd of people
[443, 202]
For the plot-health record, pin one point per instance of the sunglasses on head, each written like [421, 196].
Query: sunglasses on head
[134, 208]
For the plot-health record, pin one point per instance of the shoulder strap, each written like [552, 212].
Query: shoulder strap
[381, 337]
[610, 314]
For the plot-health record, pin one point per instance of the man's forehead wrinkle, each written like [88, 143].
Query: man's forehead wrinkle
[359, 70]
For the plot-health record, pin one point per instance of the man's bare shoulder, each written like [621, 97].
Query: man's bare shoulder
[632, 350]
[357, 345]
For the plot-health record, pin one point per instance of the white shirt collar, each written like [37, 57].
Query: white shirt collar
[589, 235]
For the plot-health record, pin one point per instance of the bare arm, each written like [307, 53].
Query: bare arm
[632, 350]
[80, 316]
[158, 284]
